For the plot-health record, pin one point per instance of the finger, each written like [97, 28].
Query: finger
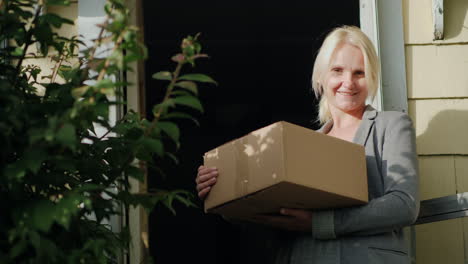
[206, 170]
[205, 184]
[298, 213]
[203, 168]
[205, 177]
[202, 194]
[274, 221]
[200, 167]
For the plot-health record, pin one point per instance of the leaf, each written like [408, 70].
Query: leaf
[163, 75]
[168, 202]
[35, 240]
[189, 101]
[162, 107]
[88, 187]
[67, 72]
[80, 91]
[188, 85]
[154, 146]
[18, 52]
[173, 157]
[185, 200]
[197, 77]
[18, 248]
[179, 58]
[135, 173]
[58, 2]
[105, 86]
[13, 171]
[42, 215]
[56, 20]
[66, 208]
[33, 159]
[134, 133]
[180, 93]
[67, 135]
[175, 115]
[171, 129]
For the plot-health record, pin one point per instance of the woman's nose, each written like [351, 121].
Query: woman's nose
[348, 81]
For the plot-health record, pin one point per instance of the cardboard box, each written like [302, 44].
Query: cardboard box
[285, 165]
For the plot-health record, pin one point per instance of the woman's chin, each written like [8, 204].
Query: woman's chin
[351, 107]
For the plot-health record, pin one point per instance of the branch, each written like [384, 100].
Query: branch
[28, 41]
[170, 87]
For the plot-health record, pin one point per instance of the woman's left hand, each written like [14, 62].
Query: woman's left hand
[291, 219]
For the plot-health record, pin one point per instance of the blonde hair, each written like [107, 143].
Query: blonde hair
[354, 36]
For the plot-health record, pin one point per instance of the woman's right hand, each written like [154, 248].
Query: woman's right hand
[206, 178]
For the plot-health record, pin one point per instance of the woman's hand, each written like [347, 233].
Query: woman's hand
[292, 219]
[206, 178]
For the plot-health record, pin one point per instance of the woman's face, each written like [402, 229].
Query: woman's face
[345, 84]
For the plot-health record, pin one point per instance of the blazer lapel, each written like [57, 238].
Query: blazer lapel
[362, 134]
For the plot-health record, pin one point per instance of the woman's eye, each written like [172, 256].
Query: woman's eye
[360, 73]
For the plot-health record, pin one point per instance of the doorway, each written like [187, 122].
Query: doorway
[261, 54]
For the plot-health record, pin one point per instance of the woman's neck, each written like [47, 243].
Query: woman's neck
[343, 120]
[345, 124]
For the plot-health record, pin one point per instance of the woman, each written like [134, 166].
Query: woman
[345, 75]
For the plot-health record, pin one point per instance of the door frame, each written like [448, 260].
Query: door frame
[381, 20]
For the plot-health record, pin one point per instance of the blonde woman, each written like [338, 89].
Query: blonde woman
[346, 73]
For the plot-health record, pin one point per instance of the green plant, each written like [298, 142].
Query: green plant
[60, 179]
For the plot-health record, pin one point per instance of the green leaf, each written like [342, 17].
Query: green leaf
[168, 202]
[154, 146]
[66, 208]
[42, 215]
[80, 91]
[67, 72]
[189, 101]
[185, 200]
[33, 159]
[135, 173]
[180, 93]
[58, 2]
[175, 115]
[56, 20]
[105, 86]
[13, 171]
[162, 107]
[197, 77]
[67, 135]
[18, 248]
[88, 187]
[173, 157]
[171, 129]
[134, 133]
[35, 240]
[188, 85]
[163, 75]
[18, 52]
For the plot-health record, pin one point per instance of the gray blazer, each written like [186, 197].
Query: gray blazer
[371, 233]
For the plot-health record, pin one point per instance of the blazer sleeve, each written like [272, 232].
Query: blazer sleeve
[399, 205]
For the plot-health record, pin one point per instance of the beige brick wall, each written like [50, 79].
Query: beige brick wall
[417, 19]
[437, 70]
[440, 242]
[437, 81]
[441, 125]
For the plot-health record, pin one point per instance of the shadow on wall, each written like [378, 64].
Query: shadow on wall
[446, 133]
[455, 14]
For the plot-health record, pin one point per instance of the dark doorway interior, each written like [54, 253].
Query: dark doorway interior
[262, 54]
